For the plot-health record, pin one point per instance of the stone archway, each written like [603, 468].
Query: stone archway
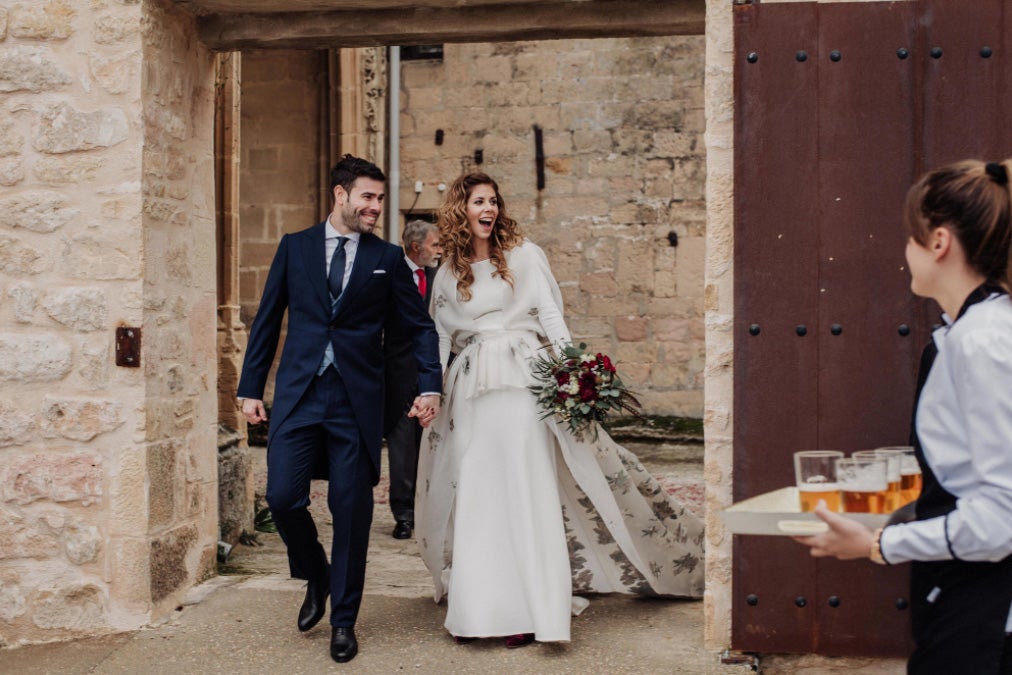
[122, 459]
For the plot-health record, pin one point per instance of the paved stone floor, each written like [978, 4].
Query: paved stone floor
[244, 620]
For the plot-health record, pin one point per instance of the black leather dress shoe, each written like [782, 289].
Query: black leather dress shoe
[402, 530]
[315, 604]
[343, 645]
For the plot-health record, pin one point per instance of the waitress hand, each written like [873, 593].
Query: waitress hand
[847, 539]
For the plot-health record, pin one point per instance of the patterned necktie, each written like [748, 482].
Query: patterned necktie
[420, 273]
[336, 277]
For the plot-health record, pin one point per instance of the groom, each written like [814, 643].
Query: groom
[340, 285]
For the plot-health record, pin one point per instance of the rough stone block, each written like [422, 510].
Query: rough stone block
[117, 74]
[93, 364]
[69, 169]
[3, 22]
[33, 358]
[20, 538]
[58, 477]
[79, 419]
[235, 493]
[631, 328]
[25, 298]
[672, 330]
[38, 211]
[12, 141]
[83, 309]
[600, 284]
[635, 352]
[634, 375]
[18, 258]
[114, 28]
[425, 98]
[168, 561]
[16, 426]
[74, 606]
[12, 599]
[81, 543]
[104, 258]
[598, 332]
[537, 66]
[34, 69]
[42, 21]
[163, 475]
[12, 171]
[62, 128]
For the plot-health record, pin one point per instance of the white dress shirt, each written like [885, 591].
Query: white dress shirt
[964, 423]
[350, 249]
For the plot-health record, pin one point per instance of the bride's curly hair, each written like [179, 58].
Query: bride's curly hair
[456, 238]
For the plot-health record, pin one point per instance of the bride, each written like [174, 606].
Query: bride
[514, 513]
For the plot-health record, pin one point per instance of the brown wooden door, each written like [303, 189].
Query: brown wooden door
[839, 107]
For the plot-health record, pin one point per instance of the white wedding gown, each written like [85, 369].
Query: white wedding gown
[513, 512]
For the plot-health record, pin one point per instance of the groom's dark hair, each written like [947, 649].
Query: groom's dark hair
[350, 168]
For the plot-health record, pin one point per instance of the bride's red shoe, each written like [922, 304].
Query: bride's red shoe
[514, 641]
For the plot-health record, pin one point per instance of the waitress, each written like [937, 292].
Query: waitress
[960, 544]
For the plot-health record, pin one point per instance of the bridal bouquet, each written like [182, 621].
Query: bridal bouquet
[580, 388]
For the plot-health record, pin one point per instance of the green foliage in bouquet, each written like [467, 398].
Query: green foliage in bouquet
[580, 388]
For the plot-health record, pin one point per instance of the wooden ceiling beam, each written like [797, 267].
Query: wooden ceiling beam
[427, 25]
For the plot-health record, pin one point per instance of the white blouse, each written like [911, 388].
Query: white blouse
[964, 423]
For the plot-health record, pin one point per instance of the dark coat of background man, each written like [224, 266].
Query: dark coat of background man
[341, 285]
[403, 433]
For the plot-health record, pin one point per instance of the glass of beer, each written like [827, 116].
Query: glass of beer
[910, 473]
[815, 473]
[893, 497]
[863, 484]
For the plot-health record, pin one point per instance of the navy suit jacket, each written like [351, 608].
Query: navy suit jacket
[379, 290]
[401, 368]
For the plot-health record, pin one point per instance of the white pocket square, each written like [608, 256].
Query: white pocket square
[379, 271]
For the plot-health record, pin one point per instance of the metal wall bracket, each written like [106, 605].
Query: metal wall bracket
[128, 347]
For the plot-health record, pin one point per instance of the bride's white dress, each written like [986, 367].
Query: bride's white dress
[513, 512]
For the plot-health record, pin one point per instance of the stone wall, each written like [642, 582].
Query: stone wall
[75, 440]
[280, 149]
[719, 301]
[625, 166]
[180, 307]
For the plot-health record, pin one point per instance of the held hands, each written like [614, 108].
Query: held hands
[425, 408]
[254, 411]
[846, 539]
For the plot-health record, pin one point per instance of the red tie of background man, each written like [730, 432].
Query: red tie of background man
[420, 273]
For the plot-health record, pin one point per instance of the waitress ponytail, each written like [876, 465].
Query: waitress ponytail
[1005, 168]
[973, 200]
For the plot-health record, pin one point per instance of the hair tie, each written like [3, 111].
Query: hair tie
[998, 172]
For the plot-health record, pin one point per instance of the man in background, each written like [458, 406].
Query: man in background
[404, 433]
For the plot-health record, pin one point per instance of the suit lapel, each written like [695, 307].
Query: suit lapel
[315, 263]
[368, 254]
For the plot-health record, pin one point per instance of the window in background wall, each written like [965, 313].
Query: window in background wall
[422, 53]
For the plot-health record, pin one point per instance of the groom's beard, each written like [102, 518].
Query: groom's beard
[356, 220]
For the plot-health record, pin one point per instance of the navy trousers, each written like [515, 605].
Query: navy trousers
[322, 427]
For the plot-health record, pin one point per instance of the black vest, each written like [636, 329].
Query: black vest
[950, 598]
